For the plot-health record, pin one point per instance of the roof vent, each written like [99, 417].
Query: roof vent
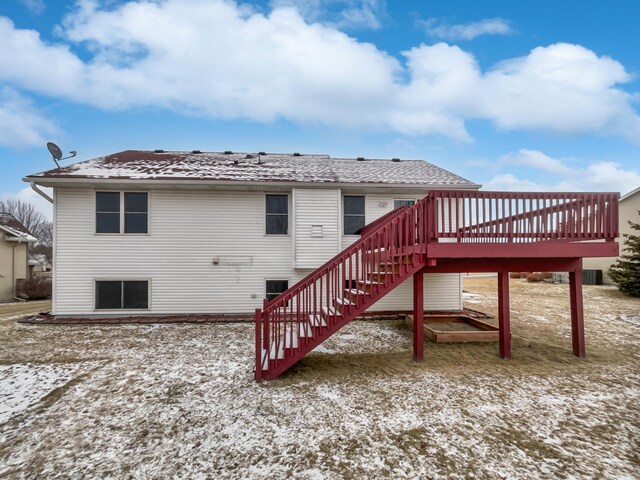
[262, 153]
[196, 151]
[360, 159]
[395, 159]
[296, 154]
[158, 150]
[228, 152]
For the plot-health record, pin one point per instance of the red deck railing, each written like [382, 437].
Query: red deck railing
[395, 246]
[523, 216]
[321, 298]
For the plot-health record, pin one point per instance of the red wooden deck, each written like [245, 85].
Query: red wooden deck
[447, 231]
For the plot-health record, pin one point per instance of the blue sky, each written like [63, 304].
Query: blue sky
[513, 95]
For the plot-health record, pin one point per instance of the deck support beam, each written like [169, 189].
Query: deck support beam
[418, 316]
[577, 316]
[504, 322]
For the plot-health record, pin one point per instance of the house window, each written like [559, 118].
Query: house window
[122, 212]
[277, 214]
[135, 212]
[107, 212]
[403, 203]
[119, 294]
[275, 288]
[353, 215]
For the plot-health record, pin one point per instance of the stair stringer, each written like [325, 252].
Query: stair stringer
[290, 359]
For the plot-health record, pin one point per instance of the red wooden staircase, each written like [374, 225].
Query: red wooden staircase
[445, 226]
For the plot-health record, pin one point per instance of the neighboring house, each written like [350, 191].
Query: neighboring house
[39, 266]
[14, 252]
[628, 211]
[215, 233]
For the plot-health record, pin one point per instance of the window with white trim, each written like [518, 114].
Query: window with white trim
[122, 212]
[275, 288]
[353, 214]
[403, 203]
[277, 214]
[122, 295]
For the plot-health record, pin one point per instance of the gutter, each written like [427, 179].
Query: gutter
[35, 188]
[90, 181]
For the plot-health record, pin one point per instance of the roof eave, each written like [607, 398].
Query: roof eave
[62, 181]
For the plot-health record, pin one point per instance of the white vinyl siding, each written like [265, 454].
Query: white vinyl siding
[442, 291]
[206, 252]
[316, 216]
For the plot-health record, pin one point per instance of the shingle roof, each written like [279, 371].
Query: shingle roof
[251, 167]
[11, 225]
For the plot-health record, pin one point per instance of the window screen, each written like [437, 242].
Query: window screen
[353, 215]
[277, 214]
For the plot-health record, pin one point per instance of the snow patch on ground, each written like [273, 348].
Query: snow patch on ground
[23, 385]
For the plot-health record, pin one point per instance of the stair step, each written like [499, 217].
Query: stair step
[389, 267]
[330, 312]
[354, 293]
[343, 302]
[317, 321]
[306, 330]
[368, 284]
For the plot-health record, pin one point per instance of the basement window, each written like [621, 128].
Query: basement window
[353, 215]
[122, 295]
[277, 214]
[275, 288]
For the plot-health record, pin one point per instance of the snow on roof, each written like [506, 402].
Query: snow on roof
[252, 167]
[11, 225]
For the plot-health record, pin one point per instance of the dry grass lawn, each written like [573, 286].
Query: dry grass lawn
[157, 401]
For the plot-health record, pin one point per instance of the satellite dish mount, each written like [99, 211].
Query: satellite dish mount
[56, 153]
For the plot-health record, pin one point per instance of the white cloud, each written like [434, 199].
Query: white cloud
[343, 14]
[28, 195]
[598, 176]
[21, 125]
[221, 60]
[537, 160]
[35, 6]
[467, 31]
[510, 183]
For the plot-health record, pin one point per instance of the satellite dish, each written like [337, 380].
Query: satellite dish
[56, 153]
[54, 150]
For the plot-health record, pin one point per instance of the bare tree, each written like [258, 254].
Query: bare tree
[35, 222]
[26, 213]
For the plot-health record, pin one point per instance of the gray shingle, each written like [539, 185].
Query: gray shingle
[147, 165]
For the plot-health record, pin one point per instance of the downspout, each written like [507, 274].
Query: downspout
[41, 193]
[13, 273]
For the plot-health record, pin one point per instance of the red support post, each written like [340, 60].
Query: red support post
[258, 316]
[577, 317]
[418, 316]
[504, 322]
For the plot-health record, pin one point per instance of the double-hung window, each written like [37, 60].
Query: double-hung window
[277, 214]
[403, 203]
[122, 295]
[275, 288]
[122, 212]
[353, 211]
